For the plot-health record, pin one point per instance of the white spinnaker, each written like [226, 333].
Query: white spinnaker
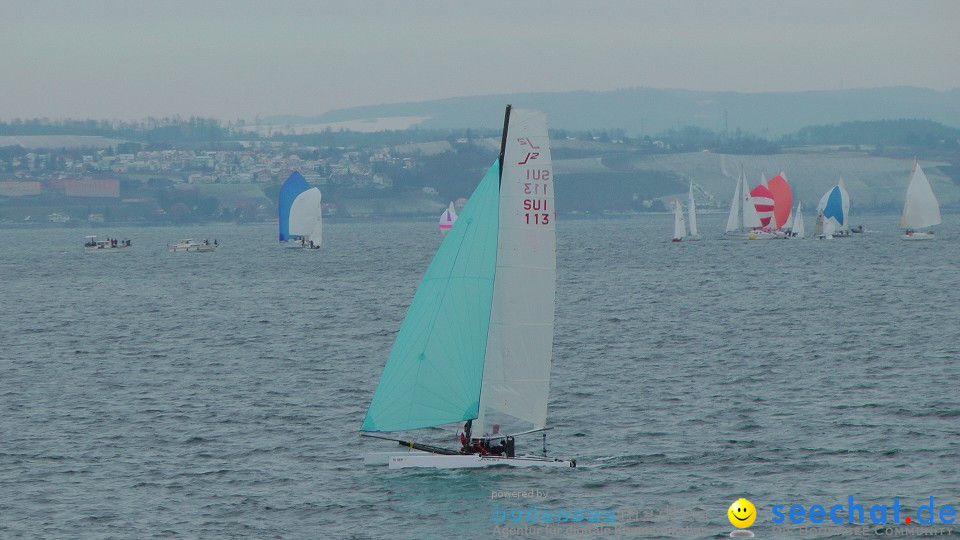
[844, 205]
[921, 208]
[305, 212]
[316, 236]
[516, 371]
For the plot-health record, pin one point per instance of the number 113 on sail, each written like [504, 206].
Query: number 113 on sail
[537, 219]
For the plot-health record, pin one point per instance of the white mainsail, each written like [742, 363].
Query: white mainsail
[733, 219]
[692, 211]
[829, 228]
[920, 209]
[798, 229]
[679, 227]
[751, 219]
[516, 371]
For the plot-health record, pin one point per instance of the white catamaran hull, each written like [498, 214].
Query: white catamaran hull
[471, 461]
[383, 458]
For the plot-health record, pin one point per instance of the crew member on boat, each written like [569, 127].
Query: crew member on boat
[495, 442]
[465, 438]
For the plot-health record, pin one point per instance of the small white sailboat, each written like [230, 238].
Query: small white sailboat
[692, 211]
[797, 231]
[920, 209]
[467, 350]
[829, 228]
[743, 220]
[300, 216]
[447, 219]
[679, 227]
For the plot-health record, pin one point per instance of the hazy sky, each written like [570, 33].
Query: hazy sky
[129, 59]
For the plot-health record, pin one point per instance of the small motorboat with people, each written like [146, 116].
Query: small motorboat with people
[110, 245]
[189, 245]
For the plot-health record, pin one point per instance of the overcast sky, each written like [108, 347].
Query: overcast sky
[130, 59]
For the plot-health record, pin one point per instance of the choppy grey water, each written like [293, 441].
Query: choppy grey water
[154, 394]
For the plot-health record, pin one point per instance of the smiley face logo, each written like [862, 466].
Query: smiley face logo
[742, 513]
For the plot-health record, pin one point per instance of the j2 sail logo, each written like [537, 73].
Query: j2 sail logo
[856, 513]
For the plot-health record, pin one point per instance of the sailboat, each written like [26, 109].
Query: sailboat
[743, 219]
[797, 231]
[300, 216]
[679, 227]
[469, 349]
[692, 211]
[920, 209]
[782, 201]
[772, 200]
[829, 230]
[833, 212]
[788, 226]
[447, 219]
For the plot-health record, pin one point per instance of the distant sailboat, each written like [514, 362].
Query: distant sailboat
[797, 231]
[447, 219]
[476, 343]
[920, 209]
[743, 218]
[772, 199]
[300, 217]
[679, 227]
[834, 209]
[829, 228]
[692, 211]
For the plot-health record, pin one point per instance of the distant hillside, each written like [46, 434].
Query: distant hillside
[908, 133]
[645, 111]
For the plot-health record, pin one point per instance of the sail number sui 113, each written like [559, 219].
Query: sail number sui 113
[538, 187]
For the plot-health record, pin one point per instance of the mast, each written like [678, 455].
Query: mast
[503, 138]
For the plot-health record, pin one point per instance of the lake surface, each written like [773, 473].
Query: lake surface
[153, 394]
